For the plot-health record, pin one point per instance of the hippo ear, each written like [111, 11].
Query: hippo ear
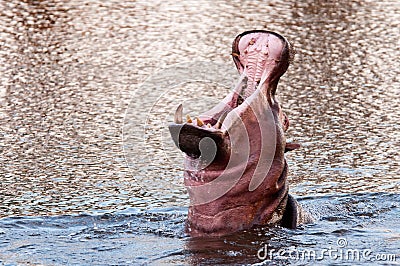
[290, 146]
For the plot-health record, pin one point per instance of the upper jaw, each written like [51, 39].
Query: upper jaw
[261, 57]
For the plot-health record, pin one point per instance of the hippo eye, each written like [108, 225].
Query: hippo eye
[252, 41]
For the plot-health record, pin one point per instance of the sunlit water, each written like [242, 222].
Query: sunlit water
[90, 176]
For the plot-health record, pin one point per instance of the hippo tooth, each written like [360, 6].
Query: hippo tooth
[188, 119]
[221, 120]
[200, 123]
[178, 115]
[209, 125]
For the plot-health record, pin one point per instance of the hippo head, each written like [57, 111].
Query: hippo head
[235, 170]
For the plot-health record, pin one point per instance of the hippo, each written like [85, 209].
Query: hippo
[235, 170]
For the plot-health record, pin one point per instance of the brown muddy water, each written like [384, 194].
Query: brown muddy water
[89, 175]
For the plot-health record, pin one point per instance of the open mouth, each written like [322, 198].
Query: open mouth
[261, 58]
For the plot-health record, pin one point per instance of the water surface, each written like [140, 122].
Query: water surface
[89, 175]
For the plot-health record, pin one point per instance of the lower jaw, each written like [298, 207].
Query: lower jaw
[236, 219]
[241, 218]
[221, 224]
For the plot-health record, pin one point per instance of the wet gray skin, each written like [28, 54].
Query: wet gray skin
[89, 174]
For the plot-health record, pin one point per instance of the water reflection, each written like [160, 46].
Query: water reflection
[68, 76]
[338, 103]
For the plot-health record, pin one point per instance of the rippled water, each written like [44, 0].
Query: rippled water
[89, 175]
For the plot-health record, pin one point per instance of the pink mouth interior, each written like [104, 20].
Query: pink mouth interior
[259, 53]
